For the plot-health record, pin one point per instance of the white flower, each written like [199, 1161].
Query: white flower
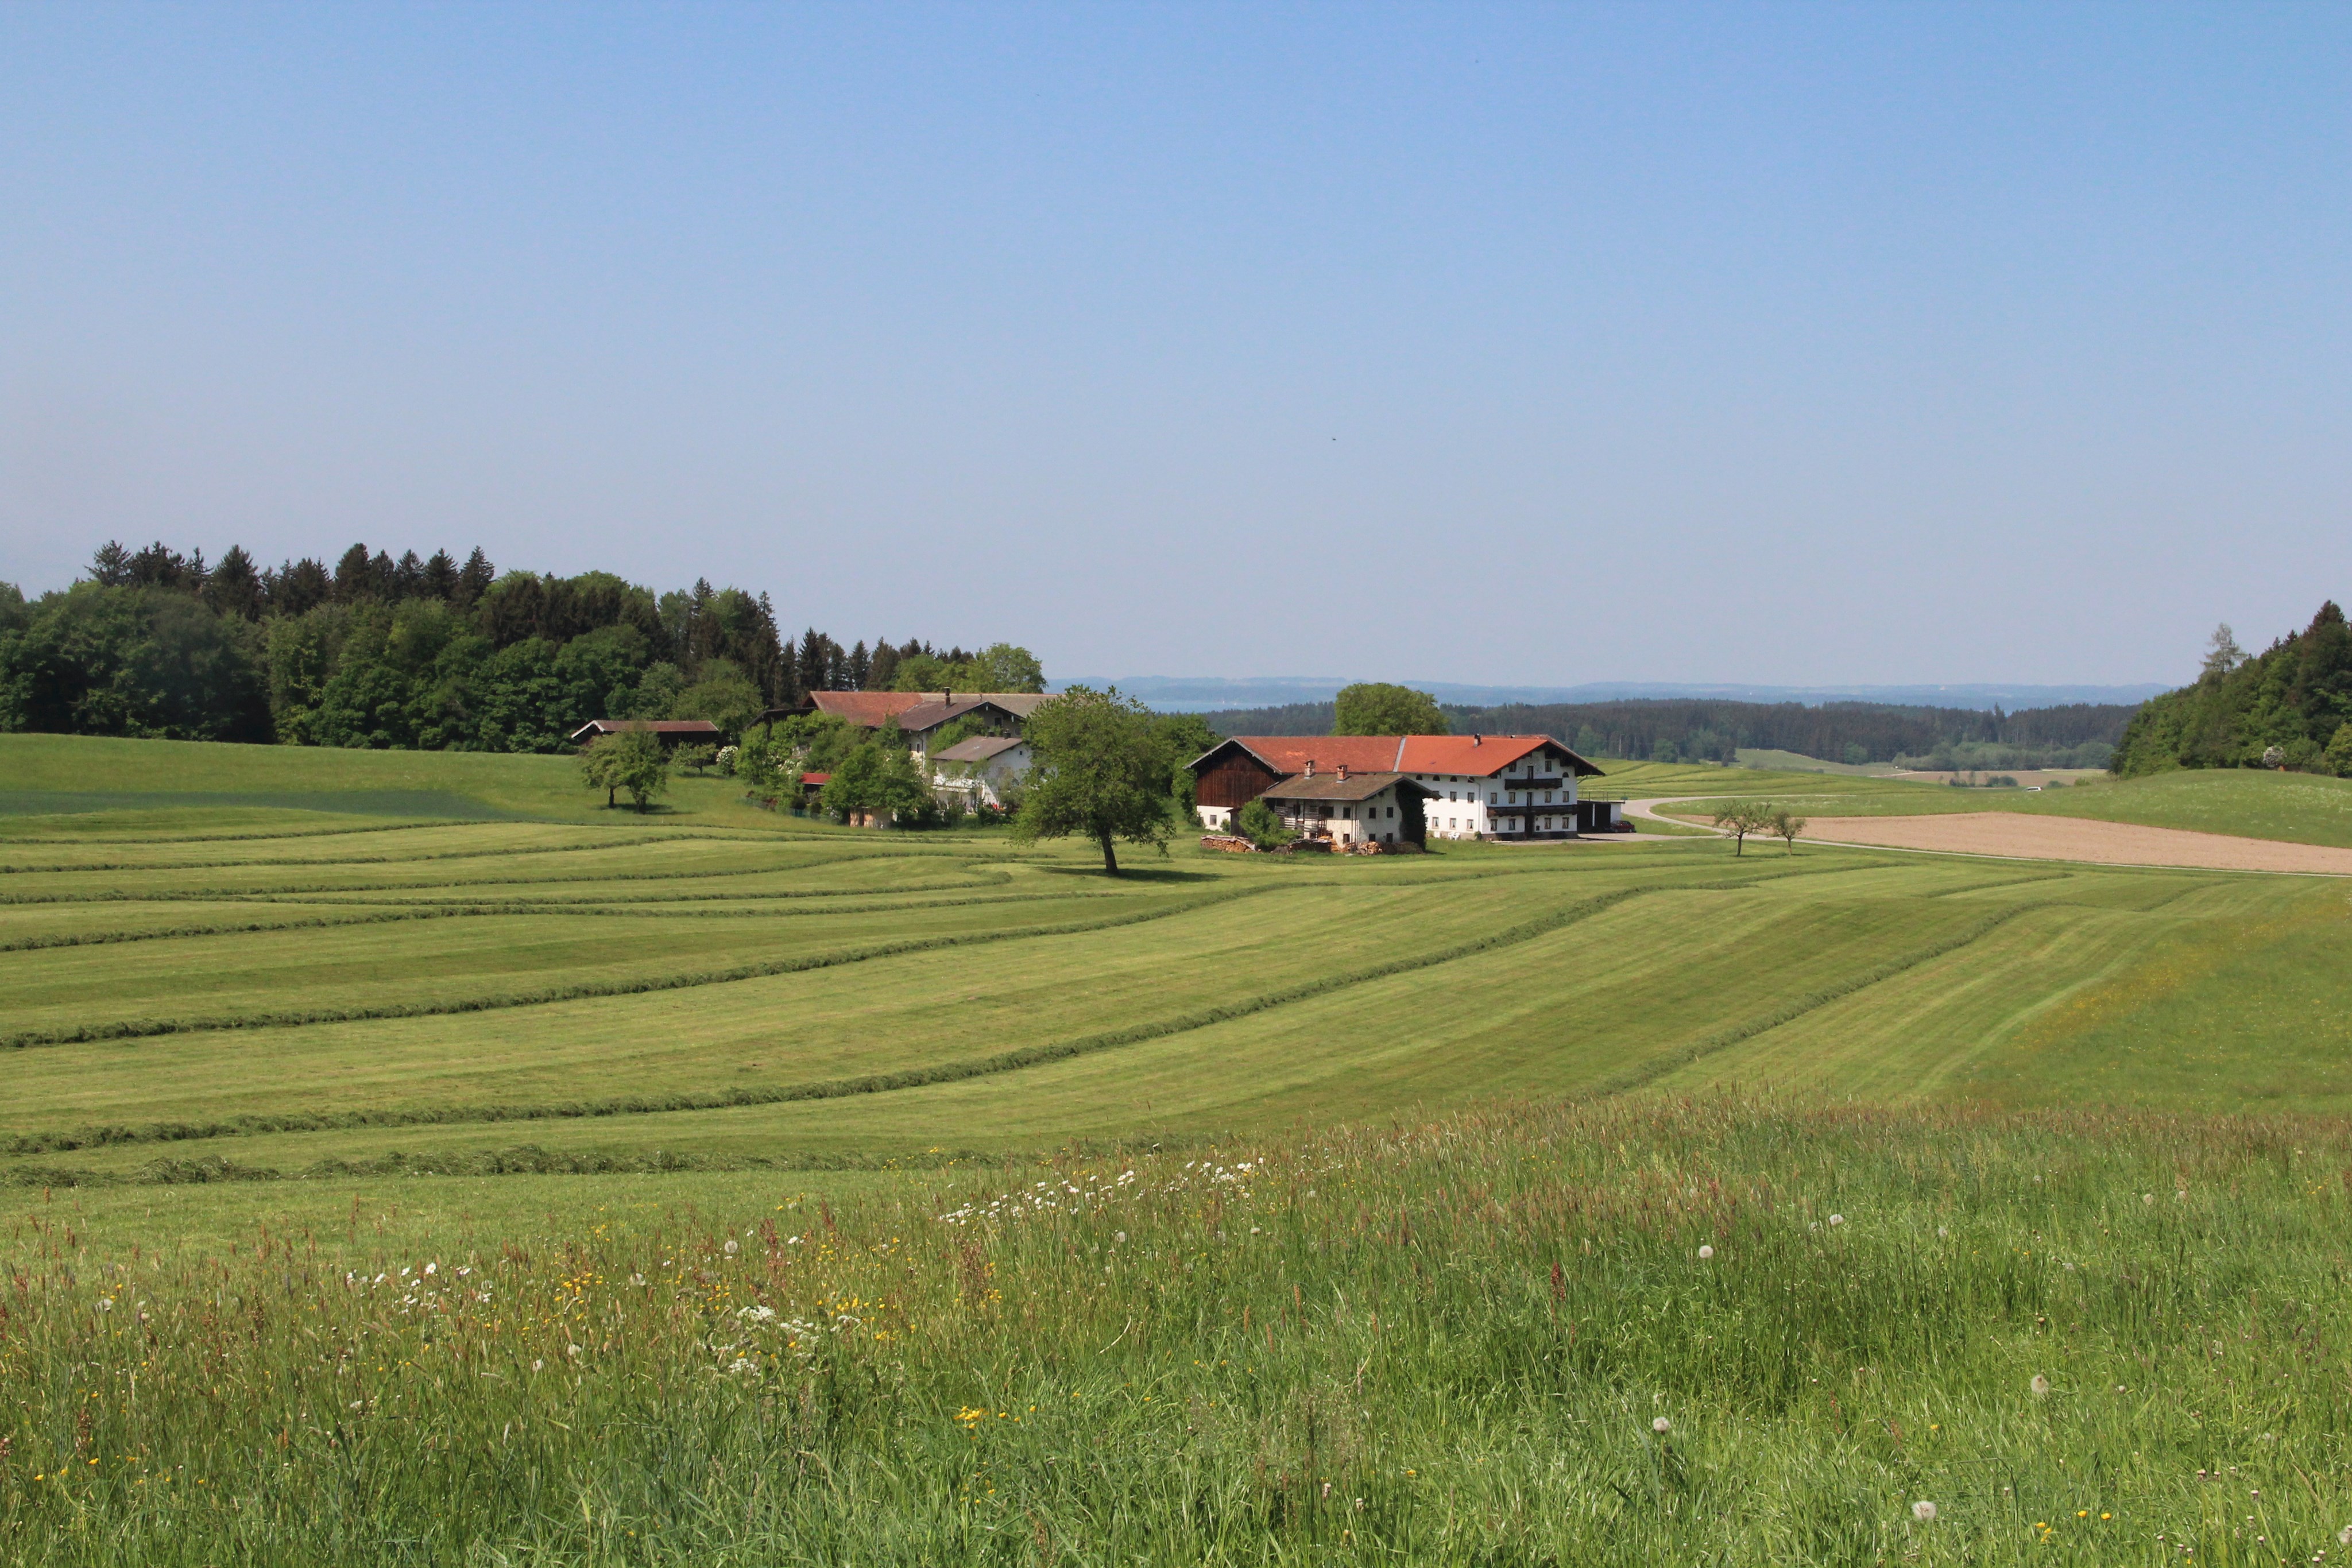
[433, 1268]
[2041, 1386]
[1923, 1511]
[571, 1349]
[1706, 1252]
[636, 1279]
[537, 1366]
[1119, 1235]
[1662, 1425]
[105, 1304]
[733, 1247]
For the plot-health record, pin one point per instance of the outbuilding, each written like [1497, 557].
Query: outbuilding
[1349, 807]
[668, 731]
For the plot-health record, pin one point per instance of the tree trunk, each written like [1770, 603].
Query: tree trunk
[1110, 856]
[610, 791]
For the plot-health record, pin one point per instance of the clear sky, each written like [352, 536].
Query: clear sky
[1521, 345]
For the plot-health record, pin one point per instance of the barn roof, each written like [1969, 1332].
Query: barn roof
[1331, 786]
[979, 747]
[687, 729]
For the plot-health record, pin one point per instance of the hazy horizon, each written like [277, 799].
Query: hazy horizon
[1486, 345]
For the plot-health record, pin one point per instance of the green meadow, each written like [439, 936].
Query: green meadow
[279, 1020]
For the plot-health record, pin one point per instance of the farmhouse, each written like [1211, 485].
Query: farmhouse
[983, 769]
[919, 714]
[668, 731]
[1515, 788]
[1351, 807]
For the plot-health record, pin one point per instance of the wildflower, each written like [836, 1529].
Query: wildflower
[1662, 1425]
[105, 1304]
[636, 1279]
[1704, 1253]
[1923, 1511]
[433, 1268]
[537, 1366]
[2041, 1386]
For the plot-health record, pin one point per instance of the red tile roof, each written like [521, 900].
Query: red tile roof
[872, 709]
[1473, 757]
[1464, 756]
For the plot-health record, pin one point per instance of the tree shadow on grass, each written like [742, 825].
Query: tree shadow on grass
[1163, 875]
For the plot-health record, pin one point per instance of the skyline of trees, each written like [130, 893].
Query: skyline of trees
[416, 651]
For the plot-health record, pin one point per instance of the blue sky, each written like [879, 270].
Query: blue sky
[1510, 345]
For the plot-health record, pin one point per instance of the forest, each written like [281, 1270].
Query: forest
[2288, 707]
[2081, 734]
[416, 652]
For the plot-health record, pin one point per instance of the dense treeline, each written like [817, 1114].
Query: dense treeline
[2080, 735]
[426, 652]
[2288, 707]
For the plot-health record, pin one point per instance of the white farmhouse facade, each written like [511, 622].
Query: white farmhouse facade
[983, 771]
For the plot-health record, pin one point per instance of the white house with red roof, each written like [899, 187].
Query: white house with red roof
[1513, 787]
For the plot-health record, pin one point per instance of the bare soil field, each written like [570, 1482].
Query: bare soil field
[2014, 834]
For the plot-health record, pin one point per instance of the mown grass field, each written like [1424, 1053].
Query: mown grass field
[259, 1032]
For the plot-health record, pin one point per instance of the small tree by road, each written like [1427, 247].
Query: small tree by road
[1785, 826]
[1741, 818]
[1101, 772]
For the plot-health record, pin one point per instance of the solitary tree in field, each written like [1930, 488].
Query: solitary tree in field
[1375, 707]
[1101, 772]
[631, 761]
[1785, 826]
[1740, 818]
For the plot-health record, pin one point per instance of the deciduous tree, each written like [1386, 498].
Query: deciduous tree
[1375, 707]
[1741, 818]
[1101, 772]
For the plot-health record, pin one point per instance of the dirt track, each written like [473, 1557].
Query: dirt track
[2016, 834]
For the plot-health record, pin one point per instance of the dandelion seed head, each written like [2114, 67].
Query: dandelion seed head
[1837, 1219]
[2041, 1384]
[733, 1247]
[1706, 1252]
[1923, 1511]
[1662, 1425]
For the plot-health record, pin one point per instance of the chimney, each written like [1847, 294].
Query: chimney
[1343, 772]
[1311, 767]
[1477, 740]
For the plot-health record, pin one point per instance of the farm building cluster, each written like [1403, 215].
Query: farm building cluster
[1346, 791]
[1406, 788]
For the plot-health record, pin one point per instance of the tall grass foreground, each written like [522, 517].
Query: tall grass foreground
[1718, 1331]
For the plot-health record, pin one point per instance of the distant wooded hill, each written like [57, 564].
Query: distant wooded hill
[2288, 707]
[2079, 735]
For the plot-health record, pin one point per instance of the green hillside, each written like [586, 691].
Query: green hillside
[611, 990]
[539, 1182]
